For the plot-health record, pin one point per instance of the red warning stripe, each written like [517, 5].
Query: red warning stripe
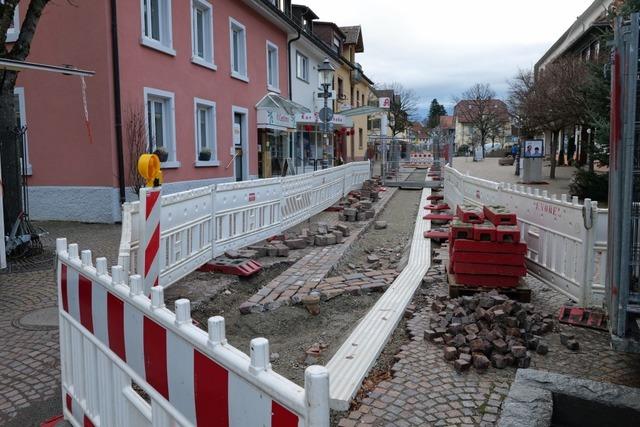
[115, 327]
[152, 199]
[155, 356]
[211, 389]
[84, 296]
[63, 288]
[151, 250]
[282, 417]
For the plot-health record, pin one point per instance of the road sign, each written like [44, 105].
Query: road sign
[326, 115]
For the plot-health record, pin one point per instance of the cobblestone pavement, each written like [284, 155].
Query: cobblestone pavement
[426, 390]
[29, 358]
[307, 274]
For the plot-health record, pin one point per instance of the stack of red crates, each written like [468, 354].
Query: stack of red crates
[485, 248]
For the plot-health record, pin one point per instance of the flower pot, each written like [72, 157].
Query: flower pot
[162, 155]
[204, 156]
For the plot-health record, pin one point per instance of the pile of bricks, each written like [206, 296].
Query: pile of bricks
[358, 205]
[317, 234]
[485, 248]
[488, 329]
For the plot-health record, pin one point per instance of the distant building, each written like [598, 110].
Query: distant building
[583, 40]
[465, 131]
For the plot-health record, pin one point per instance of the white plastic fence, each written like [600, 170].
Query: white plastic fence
[566, 239]
[126, 360]
[199, 225]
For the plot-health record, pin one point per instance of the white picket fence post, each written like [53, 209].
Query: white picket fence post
[116, 341]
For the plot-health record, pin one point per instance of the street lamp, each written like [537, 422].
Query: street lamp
[325, 76]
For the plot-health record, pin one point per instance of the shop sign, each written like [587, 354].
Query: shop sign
[384, 102]
[338, 119]
[275, 118]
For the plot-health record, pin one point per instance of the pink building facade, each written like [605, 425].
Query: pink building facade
[193, 71]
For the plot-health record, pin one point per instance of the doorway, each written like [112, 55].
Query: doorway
[240, 144]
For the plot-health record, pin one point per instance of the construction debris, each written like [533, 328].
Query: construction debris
[488, 329]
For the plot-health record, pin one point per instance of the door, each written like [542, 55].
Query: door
[238, 142]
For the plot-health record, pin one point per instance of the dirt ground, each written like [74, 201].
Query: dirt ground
[292, 330]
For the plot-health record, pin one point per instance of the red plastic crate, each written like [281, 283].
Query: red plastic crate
[487, 281]
[507, 233]
[489, 247]
[499, 215]
[470, 214]
[489, 269]
[485, 232]
[492, 258]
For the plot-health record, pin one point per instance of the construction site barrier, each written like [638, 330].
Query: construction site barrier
[201, 224]
[126, 360]
[421, 159]
[566, 239]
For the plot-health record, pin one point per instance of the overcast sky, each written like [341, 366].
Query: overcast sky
[440, 48]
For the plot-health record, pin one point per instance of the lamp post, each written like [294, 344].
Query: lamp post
[325, 74]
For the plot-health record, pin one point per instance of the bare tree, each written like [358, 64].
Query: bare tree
[479, 107]
[10, 142]
[136, 140]
[521, 93]
[556, 101]
[404, 106]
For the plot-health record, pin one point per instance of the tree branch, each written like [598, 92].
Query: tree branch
[21, 48]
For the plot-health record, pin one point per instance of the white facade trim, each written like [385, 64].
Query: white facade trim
[245, 140]
[170, 127]
[213, 133]
[165, 44]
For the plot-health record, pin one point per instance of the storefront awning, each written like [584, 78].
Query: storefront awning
[278, 113]
[338, 121]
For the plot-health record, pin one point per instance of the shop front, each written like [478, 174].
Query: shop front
[317, 145]
[276, 127]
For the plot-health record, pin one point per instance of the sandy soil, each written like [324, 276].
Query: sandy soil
[292, 330]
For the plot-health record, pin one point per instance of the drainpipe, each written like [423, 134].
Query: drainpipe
[289, 62]
[117, 99]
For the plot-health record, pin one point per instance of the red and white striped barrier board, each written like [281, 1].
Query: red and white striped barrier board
[112, 334]
[148, 257]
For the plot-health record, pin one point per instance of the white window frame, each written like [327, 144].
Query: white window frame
[209, 60]
[22, 106]
[213, 132]
[243, 74]
[272, 47]
[169, 128]
[305, 69]
[13, 33]
[165, 44]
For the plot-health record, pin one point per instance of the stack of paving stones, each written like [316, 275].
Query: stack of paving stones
[488, 329]
[358, 205]
[485, 247]
[317, 234]
[277, 294]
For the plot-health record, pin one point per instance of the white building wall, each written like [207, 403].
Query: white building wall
[305, 93]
